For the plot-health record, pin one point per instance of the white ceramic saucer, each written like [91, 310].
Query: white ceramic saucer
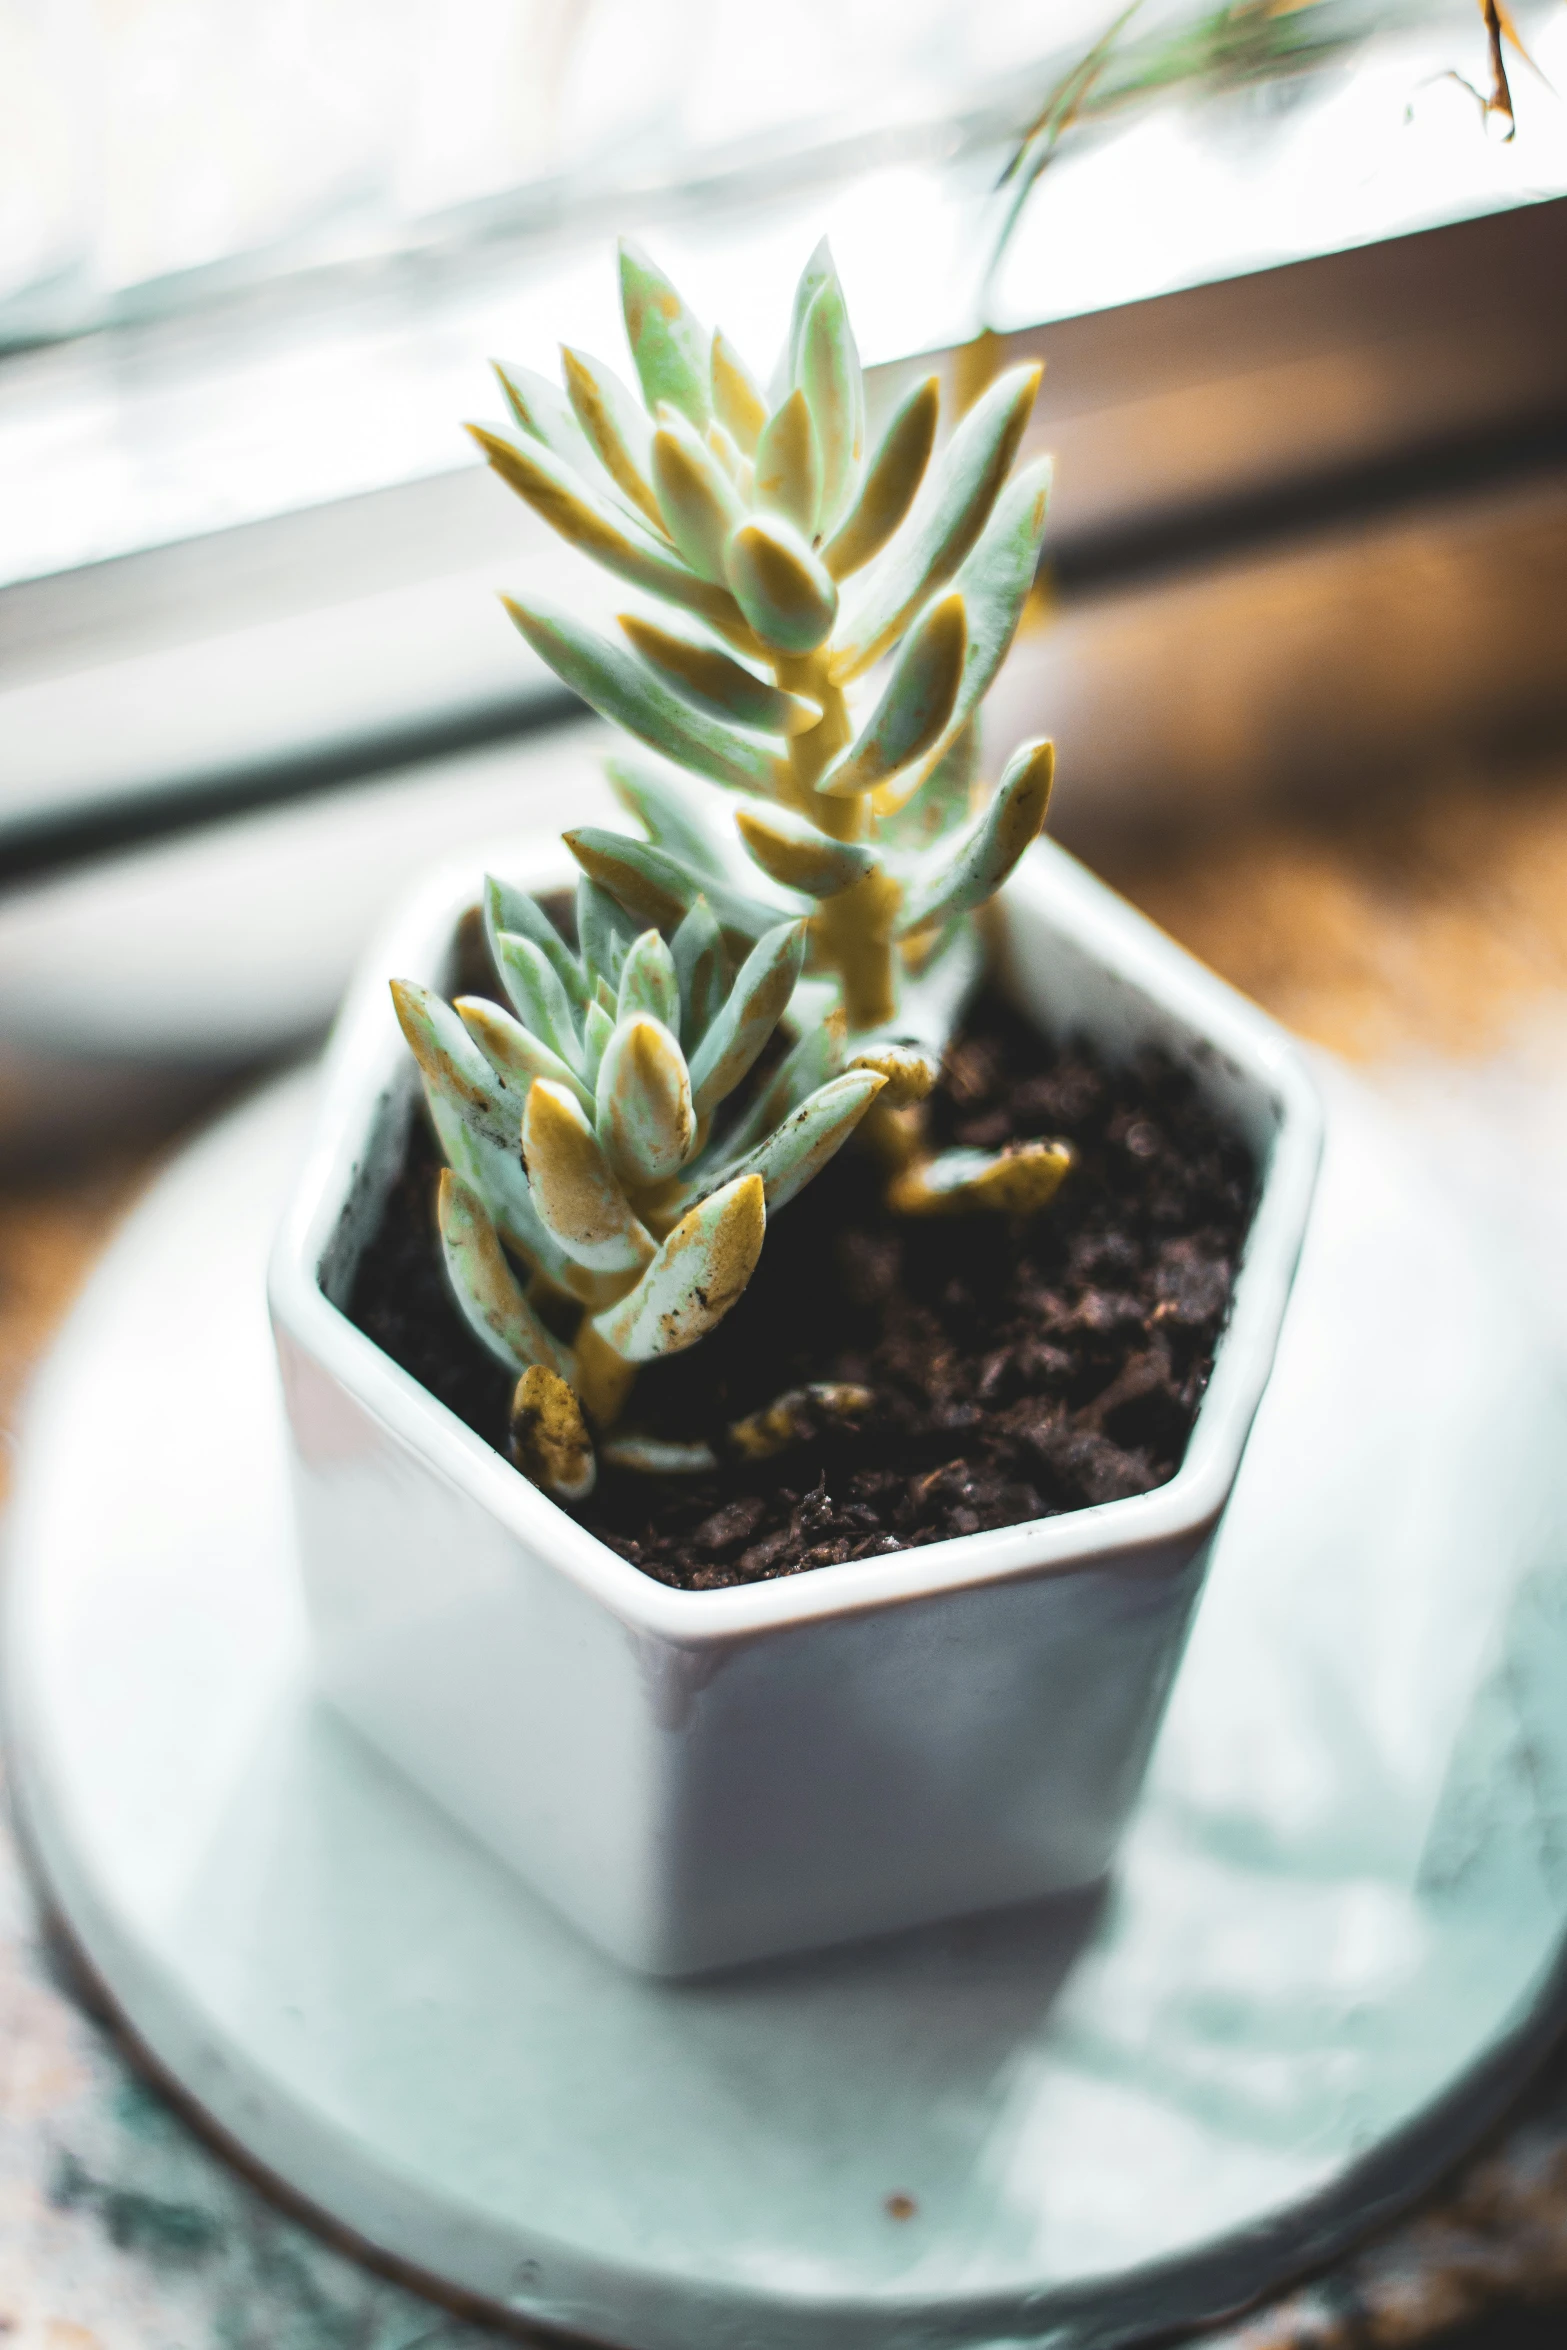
[1329, 1952]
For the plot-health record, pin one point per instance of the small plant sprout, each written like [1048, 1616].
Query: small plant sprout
[812, 630]
[579, 1133]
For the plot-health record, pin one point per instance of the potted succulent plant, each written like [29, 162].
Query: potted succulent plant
[783, 1572]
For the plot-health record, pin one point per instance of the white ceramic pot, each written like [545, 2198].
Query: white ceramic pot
[697, 1778]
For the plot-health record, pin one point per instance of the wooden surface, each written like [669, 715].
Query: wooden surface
[1427, 941]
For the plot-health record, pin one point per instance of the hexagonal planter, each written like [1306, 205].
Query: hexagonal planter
[699, 1778]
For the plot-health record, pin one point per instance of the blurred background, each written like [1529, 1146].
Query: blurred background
[1298, 269]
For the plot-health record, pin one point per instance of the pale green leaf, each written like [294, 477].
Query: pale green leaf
[943, 801]
[780, 585]
[669, 347]
[890, 484]
[915, 705]
[754, 1007]
[788, 475]
[575, 1188]
[656, 887]
[600, 527]
[615, 427]
[945, 523]
[737, 403]
[506, 908]
[597, 1030]
[536, 994]
[828, 372]
[454, 1068]
[817, 1057]
[813, 277]
[716, 683]
[679, 814]
[800, 1147]
[703, 971]
[698, 1274]
[643, 1110]
[486, 1288]
[610, 677]
[700, 504]
[994, 582]
[513, 1051]
[648, 982]
[965, 873]
[792, 851]
[544, 413]
[604, 932]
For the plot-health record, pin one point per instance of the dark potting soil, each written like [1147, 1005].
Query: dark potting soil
[1018, 1370]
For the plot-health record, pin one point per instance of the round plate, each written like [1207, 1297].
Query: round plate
[1327, 1954]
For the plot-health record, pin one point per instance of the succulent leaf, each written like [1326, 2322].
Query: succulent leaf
[737, 403]
[648, 982]
[807, 1066]
[781, 585]
[644, 1115]
[513, 1052]
[891, 483]
[657, 888]
[545, 415]
[575, 509]
[1018, 1181]
[597, 1030]
[796, 1416]
[788, 477]
[549, 1437]
[938, 802]
[726, 449]
[828, 372]
[604, 933]
[713, 681]
[668, 346]
[539, 999]
[916, 705]
[660, 1456]
[965, 486]
[697, 1275]
[703, 971]
[484, 1285]
[454, 1068]
[753, 1009]
[495, 1172]
[790, 850]
[574, 1186]
[813, 277]
[964, 873]
[801, 1146]
[615, 427]
[619, 686]
[908, 1071]
[678, 813]
[700, 504]
[994, 581]
[511, 909]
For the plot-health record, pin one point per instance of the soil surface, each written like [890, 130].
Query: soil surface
[1018, 1370]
